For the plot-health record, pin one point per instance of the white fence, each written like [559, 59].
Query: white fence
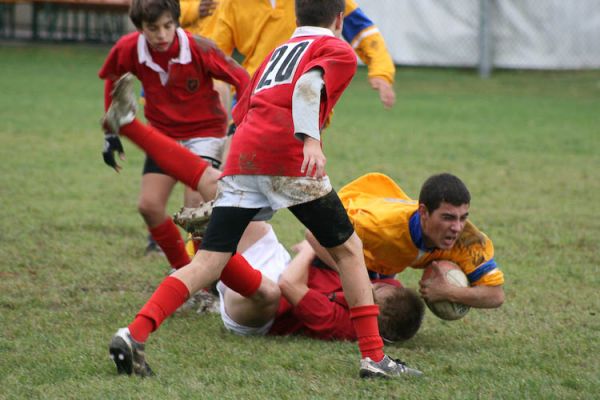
[538, 34]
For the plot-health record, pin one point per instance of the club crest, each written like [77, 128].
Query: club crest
[192, 84]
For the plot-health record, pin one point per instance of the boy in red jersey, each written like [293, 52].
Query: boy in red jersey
[176, 72]
[304, 296]
[275, 162]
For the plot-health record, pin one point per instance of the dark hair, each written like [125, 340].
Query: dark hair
[400, 315]
[318, 12]
[443, 188]
[150, 10]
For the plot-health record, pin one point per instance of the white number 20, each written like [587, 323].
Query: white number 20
[282, 65]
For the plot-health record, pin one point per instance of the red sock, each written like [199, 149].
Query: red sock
[239, 275]
[167, 298]
[169, 239]
[196, 243]
[364, 320]
[175, 160]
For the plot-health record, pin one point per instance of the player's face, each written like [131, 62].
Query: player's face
[443, 226]
[160, 33]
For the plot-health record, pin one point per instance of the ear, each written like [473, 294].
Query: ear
[339, 22]
[423, 210]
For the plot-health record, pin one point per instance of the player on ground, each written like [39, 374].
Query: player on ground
[309, 299]
[275, 162]
[398, 232]
[256, 27]
[176, 71]
[314, 303]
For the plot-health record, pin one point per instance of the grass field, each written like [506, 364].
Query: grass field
[72, 270]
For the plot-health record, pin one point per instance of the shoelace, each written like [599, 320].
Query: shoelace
[401, 364]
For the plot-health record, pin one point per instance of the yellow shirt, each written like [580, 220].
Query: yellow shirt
[387, 222]
[255, 28]
[190, 18]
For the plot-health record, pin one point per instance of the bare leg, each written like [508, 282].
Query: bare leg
[257, 309]
[154, 195]
[205, 268]
[351, 265]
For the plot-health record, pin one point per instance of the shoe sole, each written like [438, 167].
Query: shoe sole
[372, 374]
[367, 374]
[121, 355]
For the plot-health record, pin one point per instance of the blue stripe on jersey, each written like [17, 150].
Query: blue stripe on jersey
[482, 270]
[376, 275]
[355, 23]
[416, 234]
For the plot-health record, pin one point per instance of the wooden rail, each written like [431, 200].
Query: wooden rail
[69, 20]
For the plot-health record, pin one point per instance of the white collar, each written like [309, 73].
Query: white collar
[185, 54]
[312, 31]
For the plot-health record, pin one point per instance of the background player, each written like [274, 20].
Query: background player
[255, 27]
[176, 72]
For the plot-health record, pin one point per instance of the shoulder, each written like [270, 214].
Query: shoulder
[334, 44]
[473, 237]
[350, 6]
[129, 40]
[334, 50]
[201, 43]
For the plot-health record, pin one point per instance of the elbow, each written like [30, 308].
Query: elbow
[498, 298]
[285, 285]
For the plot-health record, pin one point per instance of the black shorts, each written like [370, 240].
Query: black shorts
[151, 167]
[325, 217]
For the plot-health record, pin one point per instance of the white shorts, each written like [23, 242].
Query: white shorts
[266, 191]
[208, 147]
[269, 257]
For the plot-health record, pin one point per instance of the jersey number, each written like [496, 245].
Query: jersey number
[282, 65]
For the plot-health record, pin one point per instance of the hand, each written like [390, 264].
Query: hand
[314, 161]
[436, 288]
[302, 247]
[112, 143]
[386, 91]
[207, 7]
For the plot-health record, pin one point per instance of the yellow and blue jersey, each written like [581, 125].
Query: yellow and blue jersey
[389, 225]
[367, 42]
[255, 28]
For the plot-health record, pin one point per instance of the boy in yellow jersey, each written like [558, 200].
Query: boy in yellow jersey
[198, 16]
[256, 27]
[398, 232]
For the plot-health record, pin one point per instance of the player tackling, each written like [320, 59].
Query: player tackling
[275, 162]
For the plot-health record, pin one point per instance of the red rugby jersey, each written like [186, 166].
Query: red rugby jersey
[264, 142]
[323, 312]
[180, 102]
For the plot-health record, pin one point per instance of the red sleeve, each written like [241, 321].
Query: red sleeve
[120, 59]
[108, 87]
[221, 66]
[243, 104]
[323, 318]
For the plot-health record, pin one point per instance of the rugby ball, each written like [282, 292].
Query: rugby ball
[447, 310]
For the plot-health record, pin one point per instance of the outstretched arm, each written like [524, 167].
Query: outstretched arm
[368, 43]
[294, 280]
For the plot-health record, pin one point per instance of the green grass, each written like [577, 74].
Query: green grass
[72, 270]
